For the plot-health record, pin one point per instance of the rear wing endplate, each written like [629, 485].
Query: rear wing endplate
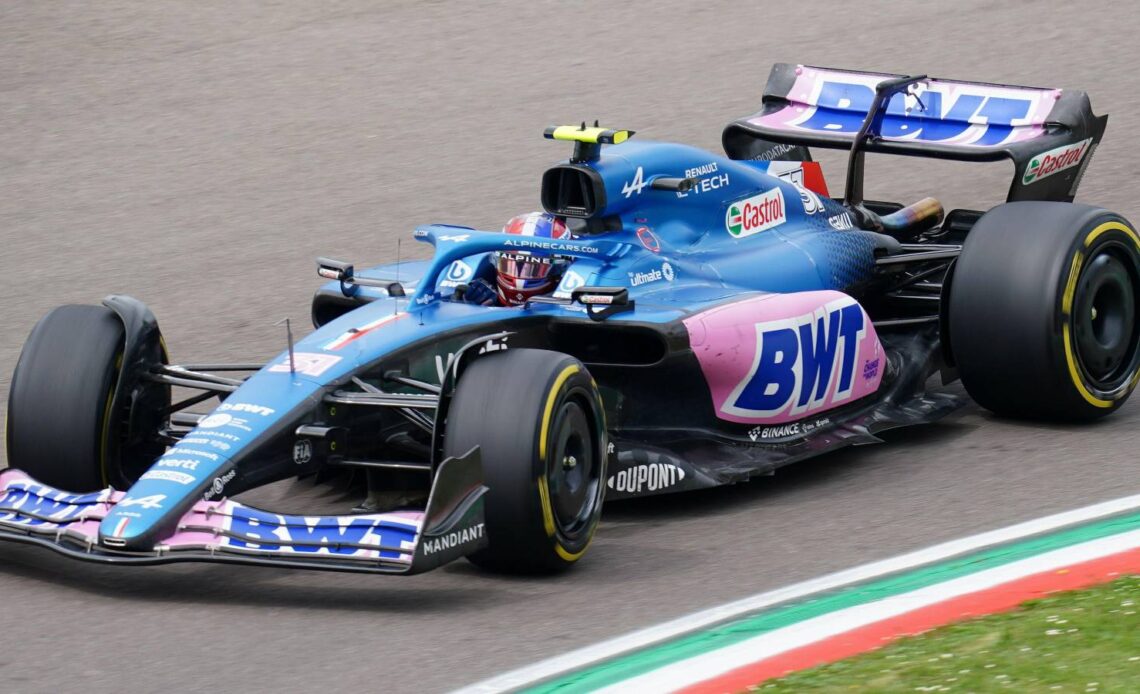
[1049, 134]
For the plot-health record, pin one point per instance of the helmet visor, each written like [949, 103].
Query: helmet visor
[523, 267]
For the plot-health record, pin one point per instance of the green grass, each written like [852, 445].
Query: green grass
[1081, 641]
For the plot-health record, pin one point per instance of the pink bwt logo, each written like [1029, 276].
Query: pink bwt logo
[816, 351]
[933, 110]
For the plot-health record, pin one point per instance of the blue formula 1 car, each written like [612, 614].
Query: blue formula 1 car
[714, 317]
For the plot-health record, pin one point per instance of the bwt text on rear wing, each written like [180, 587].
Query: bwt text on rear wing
[1049, 134]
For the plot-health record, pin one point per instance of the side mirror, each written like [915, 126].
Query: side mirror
[612, 299]
[340, 271]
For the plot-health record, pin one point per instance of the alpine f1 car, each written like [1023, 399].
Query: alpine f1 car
[718, 316]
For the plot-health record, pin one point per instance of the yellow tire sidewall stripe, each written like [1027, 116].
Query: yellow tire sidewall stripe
[552, 396]
[1067, 308]
[543, 489]
[1110, 226]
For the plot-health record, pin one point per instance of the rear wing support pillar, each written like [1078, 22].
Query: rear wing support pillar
[869, 131]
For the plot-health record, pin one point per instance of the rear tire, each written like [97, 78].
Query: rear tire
[538, 420]
[1043, 311]
[60, 424]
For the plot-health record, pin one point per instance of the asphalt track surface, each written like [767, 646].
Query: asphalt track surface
[200, 155]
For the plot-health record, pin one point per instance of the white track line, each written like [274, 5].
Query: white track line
[706, 666]
[583, 657]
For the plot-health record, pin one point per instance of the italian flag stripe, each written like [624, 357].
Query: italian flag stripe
[714, 652]
[1000, 598]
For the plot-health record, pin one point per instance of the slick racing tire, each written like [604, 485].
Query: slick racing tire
[538, 420]
[60, 424]
[1043, 311]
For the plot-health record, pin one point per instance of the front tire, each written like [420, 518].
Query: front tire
[60, 424]
[1043, 311]
[538, 420]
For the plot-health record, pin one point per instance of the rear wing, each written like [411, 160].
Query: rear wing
[1049, 134]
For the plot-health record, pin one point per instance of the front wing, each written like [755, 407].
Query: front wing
[225, 531]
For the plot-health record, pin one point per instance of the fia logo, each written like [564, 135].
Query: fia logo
[302, 451]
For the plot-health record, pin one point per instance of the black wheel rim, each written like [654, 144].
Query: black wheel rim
[1106, 332]
[573, 470]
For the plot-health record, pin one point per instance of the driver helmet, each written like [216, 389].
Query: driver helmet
[523, 274]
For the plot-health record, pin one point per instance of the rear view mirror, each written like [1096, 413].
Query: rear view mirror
[334, 269]
[340, 271]
[611, 299]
